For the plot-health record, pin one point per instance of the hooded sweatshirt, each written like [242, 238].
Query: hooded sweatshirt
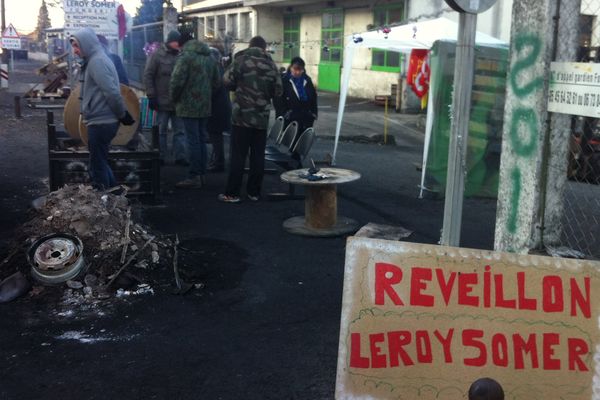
[195, 78]
[101, 101]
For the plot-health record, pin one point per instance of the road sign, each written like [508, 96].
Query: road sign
[10, 38]
[10, 32]
[101, 16]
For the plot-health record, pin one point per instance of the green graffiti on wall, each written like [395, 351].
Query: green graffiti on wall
[515, 178]
[524, 121]
[524, 125]
[530, 46]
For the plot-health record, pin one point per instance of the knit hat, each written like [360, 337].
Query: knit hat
[173, 36]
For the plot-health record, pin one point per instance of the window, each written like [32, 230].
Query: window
[232, 25]
[210, 27]
[387, 60]
[291, 36]
[201, 28]
[245, 26]
[221, 26]
[332, 37]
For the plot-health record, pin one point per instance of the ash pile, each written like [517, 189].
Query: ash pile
[88, 243]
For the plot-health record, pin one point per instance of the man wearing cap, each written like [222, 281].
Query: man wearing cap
[157, 77]
[102, 106]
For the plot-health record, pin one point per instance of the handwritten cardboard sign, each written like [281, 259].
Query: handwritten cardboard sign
[425, 322]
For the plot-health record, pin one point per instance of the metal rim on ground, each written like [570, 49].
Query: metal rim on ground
[56, 258]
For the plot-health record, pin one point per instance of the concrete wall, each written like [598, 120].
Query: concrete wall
[269, 25]
[205, 4]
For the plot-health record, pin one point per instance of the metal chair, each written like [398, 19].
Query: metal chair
[275, 134]
[287, 162]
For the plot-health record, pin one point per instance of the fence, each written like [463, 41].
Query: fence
[580, 222]
[136, 44]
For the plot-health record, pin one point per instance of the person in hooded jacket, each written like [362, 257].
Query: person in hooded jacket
[299, 100]
[195, 78]
[157, 78]
[219, 121]
[102, 106]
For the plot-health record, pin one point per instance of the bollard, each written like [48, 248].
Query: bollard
[18, 107]
[486, 389]
[3, 76]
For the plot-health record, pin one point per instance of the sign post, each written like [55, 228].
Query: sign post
[3, 76]
[424, 322]
[11, 41]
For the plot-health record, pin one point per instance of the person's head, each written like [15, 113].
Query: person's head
[85, 42]
[173, 39]
[297, 67]
[185, 37]
[258, 41]
[486, 389]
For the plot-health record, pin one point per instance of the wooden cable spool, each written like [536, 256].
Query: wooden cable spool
[76, 128]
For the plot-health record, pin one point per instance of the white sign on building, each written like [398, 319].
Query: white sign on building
[574, 89]
[99, 15]
[10, 38]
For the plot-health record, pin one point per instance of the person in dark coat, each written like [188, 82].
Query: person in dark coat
[219, 121]
[157, 78]
[299, 100]
[123, 79]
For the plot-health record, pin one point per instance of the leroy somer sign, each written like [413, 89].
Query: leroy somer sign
[425, 322]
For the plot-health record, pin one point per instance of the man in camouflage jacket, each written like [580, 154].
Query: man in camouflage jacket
[256, 81]
[195, 78]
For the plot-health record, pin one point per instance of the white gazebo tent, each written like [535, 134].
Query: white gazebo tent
[403, 38]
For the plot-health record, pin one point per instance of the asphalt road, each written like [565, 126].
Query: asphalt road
[266, 324]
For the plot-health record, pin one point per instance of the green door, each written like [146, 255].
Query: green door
[332, 42]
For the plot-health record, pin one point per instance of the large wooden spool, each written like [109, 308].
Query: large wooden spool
[76, 128]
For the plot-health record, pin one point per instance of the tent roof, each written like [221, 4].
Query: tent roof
[418, 35]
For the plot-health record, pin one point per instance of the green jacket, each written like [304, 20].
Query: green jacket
[195, 78]
[256, 81]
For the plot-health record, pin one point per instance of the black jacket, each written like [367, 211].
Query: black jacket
[220, 120]
[291, 108]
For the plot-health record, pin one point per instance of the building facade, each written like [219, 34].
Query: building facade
[317, 30]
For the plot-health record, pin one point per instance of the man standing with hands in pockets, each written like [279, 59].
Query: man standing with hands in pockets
[102, 106]
[256, 81]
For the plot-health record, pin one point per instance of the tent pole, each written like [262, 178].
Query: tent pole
[459, 131]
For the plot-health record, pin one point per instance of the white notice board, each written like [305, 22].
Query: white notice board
[574, 89]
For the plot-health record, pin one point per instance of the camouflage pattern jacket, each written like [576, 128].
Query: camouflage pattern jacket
[195, 78]
[256, 81]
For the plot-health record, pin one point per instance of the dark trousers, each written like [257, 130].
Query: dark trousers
[195, 130]
[217, 156]
[99, 138]
[244, 140]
